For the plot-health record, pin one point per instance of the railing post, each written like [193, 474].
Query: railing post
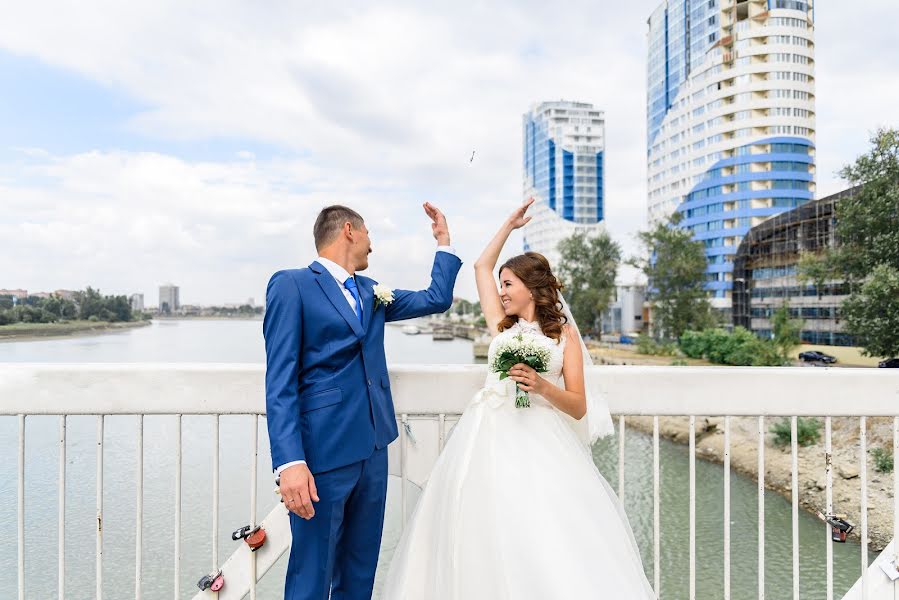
[726, 508]
[656, 503]
[761, 491]
[794, 490]
[216, 474]
[895, 497]
[99, 522]
[621, 458]
[863, 509]
[692, 507]
[177, 536]
[61, 512]
[828, 471]
[21, 509]
[254, 455]
[403, 475]
[139, 511]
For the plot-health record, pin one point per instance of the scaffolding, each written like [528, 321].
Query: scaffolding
[780, 242]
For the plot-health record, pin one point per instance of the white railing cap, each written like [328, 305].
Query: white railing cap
[194, 388]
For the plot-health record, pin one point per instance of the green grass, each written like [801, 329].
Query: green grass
[808, 431]
[883, 460]
[21, 330]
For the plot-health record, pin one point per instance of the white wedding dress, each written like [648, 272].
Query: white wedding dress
[515, 509]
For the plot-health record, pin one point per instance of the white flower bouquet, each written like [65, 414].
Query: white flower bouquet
[383, 295]
[524, 349]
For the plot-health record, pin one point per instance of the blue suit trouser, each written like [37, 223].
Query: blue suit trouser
[337, 550]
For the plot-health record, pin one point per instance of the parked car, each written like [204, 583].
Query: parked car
[815, 356]
[890, 363]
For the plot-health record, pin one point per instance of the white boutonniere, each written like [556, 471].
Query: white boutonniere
[383, 295]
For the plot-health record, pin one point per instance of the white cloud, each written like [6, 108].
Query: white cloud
[375, 106]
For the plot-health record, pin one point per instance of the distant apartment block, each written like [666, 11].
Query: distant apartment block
[137, 302]
[626, 314]
[563, 158]
[169, 300]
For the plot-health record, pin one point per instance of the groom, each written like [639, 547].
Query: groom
[327, 395]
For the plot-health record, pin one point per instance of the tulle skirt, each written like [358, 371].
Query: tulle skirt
[515, 509]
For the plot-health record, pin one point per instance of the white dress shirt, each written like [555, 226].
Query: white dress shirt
[341, 275]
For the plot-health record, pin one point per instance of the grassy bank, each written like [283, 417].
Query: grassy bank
[26, 331]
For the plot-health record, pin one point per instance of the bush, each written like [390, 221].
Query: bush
[739, 348]
[883, 460]
[693, 344]
[808, 431]
[647, 345]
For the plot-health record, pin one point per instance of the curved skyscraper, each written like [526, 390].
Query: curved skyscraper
[563, 171]
[730, 119]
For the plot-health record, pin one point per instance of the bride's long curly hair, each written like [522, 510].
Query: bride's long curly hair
[533, 270]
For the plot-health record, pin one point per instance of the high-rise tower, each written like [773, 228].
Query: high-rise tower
[563, 170]
[730, 119]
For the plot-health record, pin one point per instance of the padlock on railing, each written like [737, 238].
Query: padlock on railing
[839, 527]
[253, 536]
[213, 582]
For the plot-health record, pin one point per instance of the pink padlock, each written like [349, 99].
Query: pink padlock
[218, 583]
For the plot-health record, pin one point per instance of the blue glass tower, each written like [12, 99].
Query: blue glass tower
[730, 119]
[563, 169]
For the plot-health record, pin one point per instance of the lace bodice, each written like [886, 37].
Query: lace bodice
[556, 352]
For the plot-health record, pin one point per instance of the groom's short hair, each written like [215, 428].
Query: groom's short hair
[330, 221]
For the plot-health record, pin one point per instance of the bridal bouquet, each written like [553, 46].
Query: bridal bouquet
[524, 349]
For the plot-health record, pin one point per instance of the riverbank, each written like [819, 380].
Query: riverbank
[627, 355]
[216, 317]
[18, 332]
[778, 464]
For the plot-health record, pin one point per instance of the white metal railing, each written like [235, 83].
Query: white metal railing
[429, 410]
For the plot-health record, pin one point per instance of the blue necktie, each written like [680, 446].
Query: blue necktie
[350, 284]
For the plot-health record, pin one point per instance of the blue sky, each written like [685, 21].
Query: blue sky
[142, 143]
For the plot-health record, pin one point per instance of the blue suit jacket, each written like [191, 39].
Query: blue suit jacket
[327, 393]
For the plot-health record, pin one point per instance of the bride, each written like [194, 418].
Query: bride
[515, 509]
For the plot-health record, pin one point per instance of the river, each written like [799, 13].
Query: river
[241, 342]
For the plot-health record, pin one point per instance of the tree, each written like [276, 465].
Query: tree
[118, 307]
[675, 267]
[816, 269]
[872, 313]
[786, 332]
[868, 222]
[587, 269]
[867, 227]
[462, 307]
[103, 308]
[89, 303]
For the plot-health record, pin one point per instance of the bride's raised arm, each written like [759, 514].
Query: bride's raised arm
[488, 293]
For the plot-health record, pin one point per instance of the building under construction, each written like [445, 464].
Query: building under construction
[766, 274]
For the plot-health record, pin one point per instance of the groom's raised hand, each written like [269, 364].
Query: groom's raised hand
[298, 490]
[438, 226]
